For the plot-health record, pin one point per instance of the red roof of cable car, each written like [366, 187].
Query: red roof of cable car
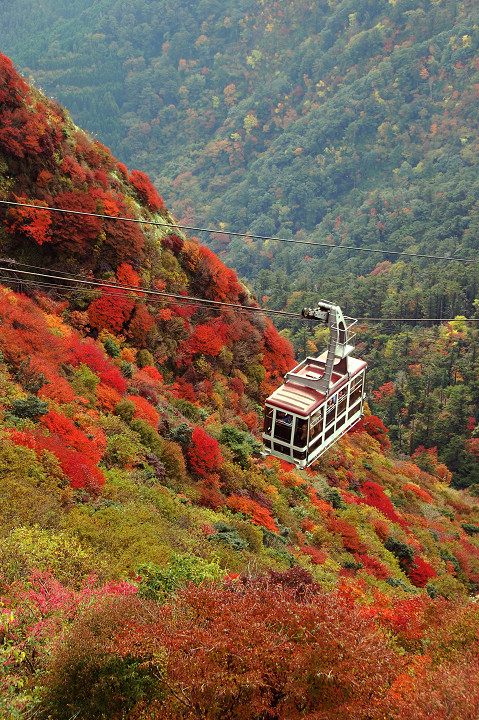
[296, 399]
[301, 400]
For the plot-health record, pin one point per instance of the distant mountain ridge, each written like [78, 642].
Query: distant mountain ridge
[279, 117]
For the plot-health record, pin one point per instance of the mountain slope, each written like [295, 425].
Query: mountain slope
[279, 117]
[132, 483]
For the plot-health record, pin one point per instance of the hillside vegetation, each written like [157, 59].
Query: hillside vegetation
[348, 122]
[152, 563]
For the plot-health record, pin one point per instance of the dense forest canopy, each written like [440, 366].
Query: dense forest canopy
[350, 122]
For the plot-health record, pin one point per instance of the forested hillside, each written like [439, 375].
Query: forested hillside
[153, 564]
[348, 122]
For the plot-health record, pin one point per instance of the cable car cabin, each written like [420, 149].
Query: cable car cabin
[321, 398]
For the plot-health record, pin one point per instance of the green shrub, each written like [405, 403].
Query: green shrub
[87, 679]
[470, 529]
[145, 358]
[241, 443]
[148, 435]
[447, 586]
[126, 369]
[31, 488]
[190, 411]
[111, 348]
[121, 451]
[228, 535]
[172, 458]
[35, 548]
[399, 549]
[182, 434]
[126, 410]
[158, 583]
[274, 541]
[251, 533]
[332, 496]
[84, 380]
[30, 408]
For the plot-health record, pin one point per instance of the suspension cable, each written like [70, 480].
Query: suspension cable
[242, 235]
[141, 291]
[183, 299]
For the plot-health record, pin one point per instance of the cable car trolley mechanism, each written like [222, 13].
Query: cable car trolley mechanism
[321, 398]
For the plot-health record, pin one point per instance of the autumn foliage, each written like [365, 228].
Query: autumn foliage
[33, 223]
[142, 183]
[129, 431]
[238, 651]
[258, 514]
[375, 427]
[204, 454]
[88, 353]
[80, 470]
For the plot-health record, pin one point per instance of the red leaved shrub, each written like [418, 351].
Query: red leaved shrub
[318, 557]
[375, 496]
[419, 572]
[420, 492]
[374, 567]
[111, 311]
[204, 454]
[31, 223]
[144, 410]
[375, 427]
[13, 87]
[258, 514]
[75, 233]
[145, 188]
[88, 353]
[349, 535]
[73, 437]
[278, 356]
[239, 651]
[107, 397]
[80, 470]
[140, 324]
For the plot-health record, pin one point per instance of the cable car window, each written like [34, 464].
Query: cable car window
[316, 424]
[268, 420]
[316, 434]
[331, 412]
[357, 393]
[342, 400]
[357, 381]
[315, 441]
[354, 410]
[301, 432]
[354, 397]
[299, 455]
[283, 426]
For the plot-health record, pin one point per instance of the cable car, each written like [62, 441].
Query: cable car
[321, 398]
